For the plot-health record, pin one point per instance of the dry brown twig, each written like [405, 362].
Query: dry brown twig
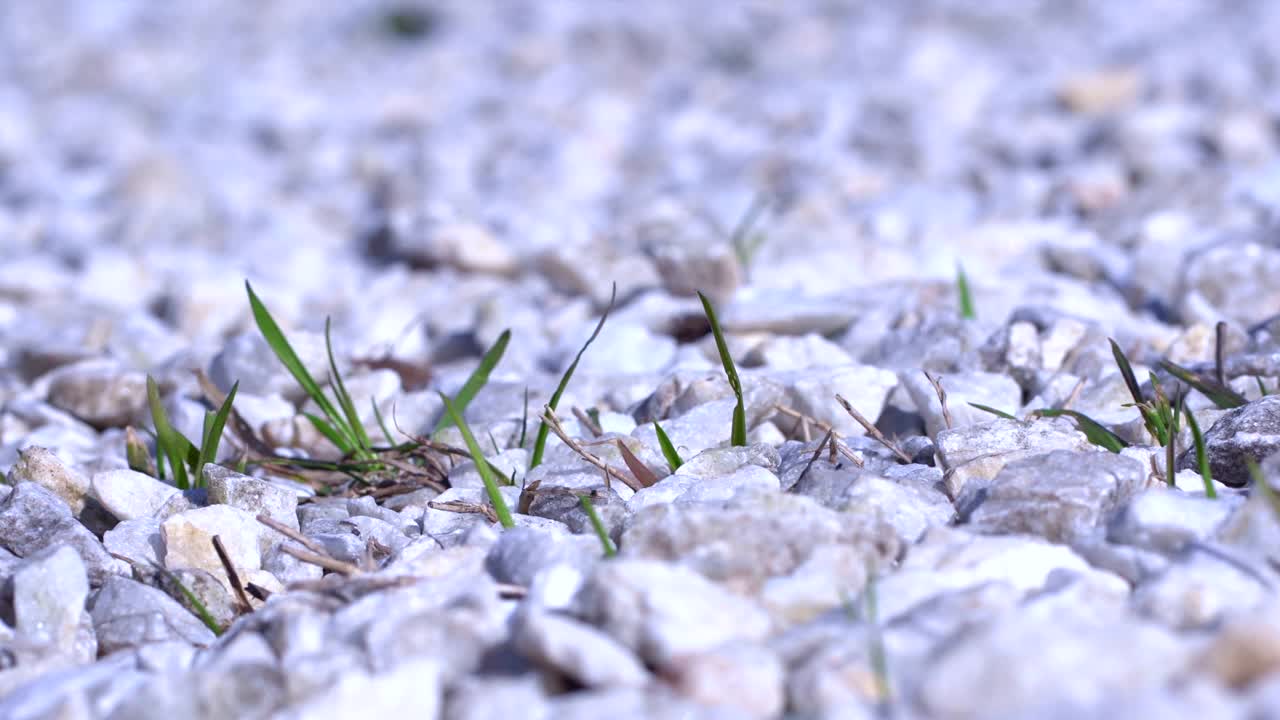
[873, 431]
[553, 423]
[242, 601]
[837, 446]
[942, 398]
[591, 425]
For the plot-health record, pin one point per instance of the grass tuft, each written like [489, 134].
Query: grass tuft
[482, 465]
[1202, 458]
[1222, 395]
[477, 379]
[186, 460]
[738, 433]
[343, 429]
[598, 525]
[668, 450]
[967, 311]
[540, 442]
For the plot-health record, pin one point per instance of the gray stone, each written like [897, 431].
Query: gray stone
[1165, 520]
[188, 539]
[1202, 586]
[745, 677]
[813, 392]
[1061, 496]
[209, 590]
[227, 487]
[42, 466]
[907, 507]
[781, 352]
[578, 651]
[522, 552]
[981, 451]
[343, 546]
[316, 518]
[33, 518]
[722, 461]
[373, 529]
[750, 539]
[495, 698]
[688, 489]
[49, 593]
[138, 541]
[988, 674]
[99, 392]
[664, 611]
[249, 360]
[127, 614]
[1248, 432]
[368, 507]
[129, 495]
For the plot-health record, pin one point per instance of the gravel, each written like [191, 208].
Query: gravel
[412, 179]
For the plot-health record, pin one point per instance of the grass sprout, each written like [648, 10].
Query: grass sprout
[668, 450]
[1202, 458]
[477, 379]
[482, 465]
[744, 237]
[967, 311]
[1261, 486]
[540, 442]
[598, 525]
[1221, 394]
[738, 432]
[342, 428]
[186, 461]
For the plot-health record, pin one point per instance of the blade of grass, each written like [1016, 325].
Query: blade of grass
[1126, 371]
[1263, 487]
[137, 454]
[993, 411]
[382, 424]
[1202, 458]
[967, 311]
[482, 466]
[641, 472]
[168, 441]
[1221, 395]
[358, 435]
[540, 442]
[668, 450]
[198, 608]
[590, 509]
[524, 418]
[276, 340]
[477, 379]
[879, 659]
[738, 432]
[1262, 389]
[338, 439]
[1092, 429]
[217, 421]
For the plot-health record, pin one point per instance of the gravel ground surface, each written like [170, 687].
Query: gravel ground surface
[428, 176]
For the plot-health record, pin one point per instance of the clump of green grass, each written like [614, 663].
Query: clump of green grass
[482, 466]
[1202, 458]
[342, 428]
[540, 442]
[1160, 415]
[965, 296]
[668, 449]
[745, 238]
[1221, 394]
[738, 432]
[186, 459]
[598, 525]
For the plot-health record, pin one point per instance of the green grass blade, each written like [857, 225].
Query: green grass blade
[967, 311]
[1262, 389]
[482, 466]
[668, 449]
[876, 652]
[477, 379]
[382, 424]
[217, 422]
[1261, 486]
[1202, 458]
[354, 426]
[1092, 429]
[1126, 371]
[324, 428]
[275, 338]
[590, 509]
[524, 418]
[198, 608]
[540, 442]
[136, 453]
[169, 442]
[738, 433]
[1221, 395]
[993, 411]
